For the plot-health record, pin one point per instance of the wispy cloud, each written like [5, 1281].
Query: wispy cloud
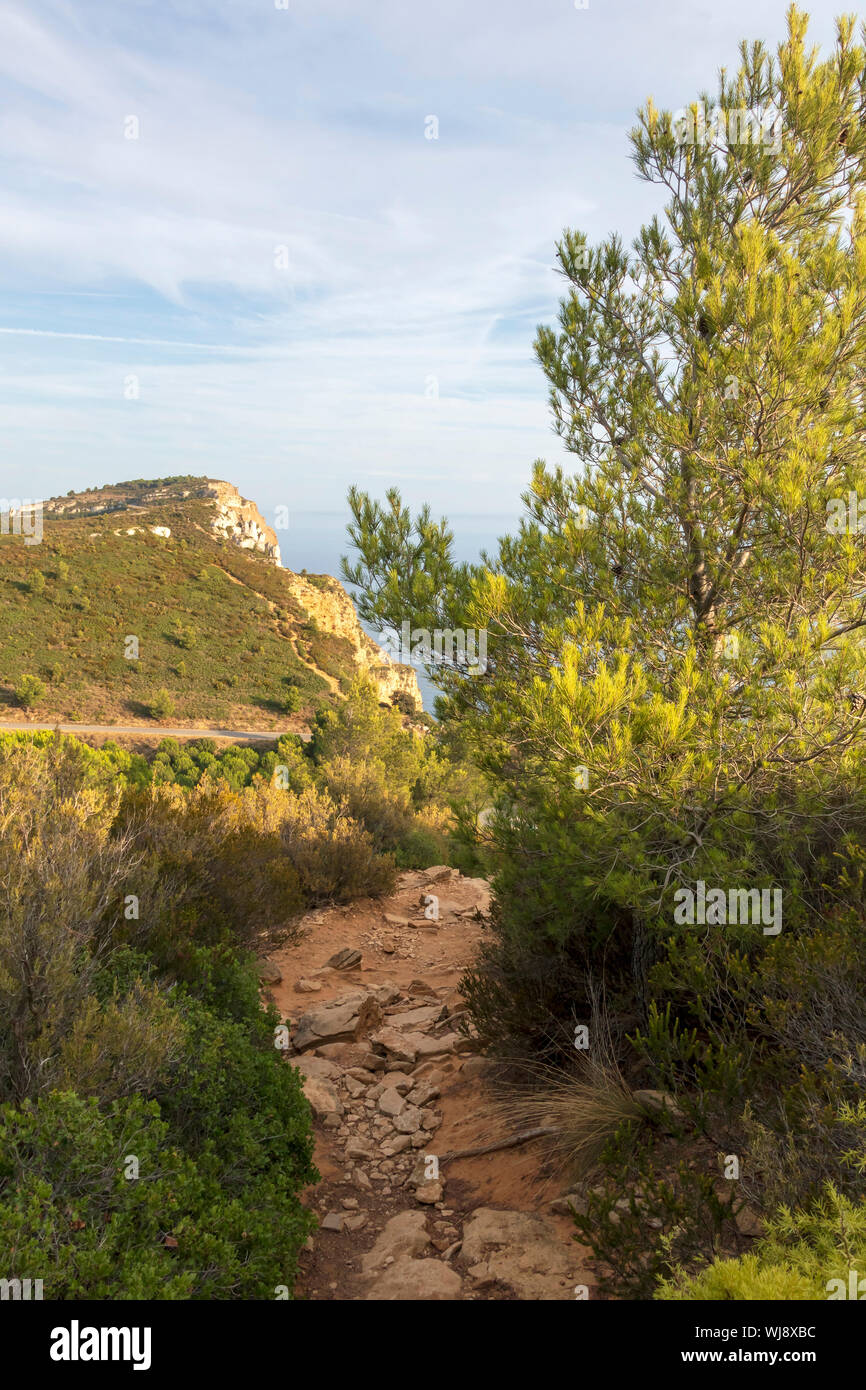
[111, 338]
[309, 291]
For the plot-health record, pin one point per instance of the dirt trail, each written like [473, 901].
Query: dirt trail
[394, 1085]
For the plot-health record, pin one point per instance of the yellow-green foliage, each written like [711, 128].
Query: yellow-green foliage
[63, 879]
[332, 854]
[398, 784]
[140, 1035]
[798, 1259]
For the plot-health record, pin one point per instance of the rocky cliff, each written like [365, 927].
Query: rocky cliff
[234, 518]
[328, 603]
[214, 506]
[240, 522]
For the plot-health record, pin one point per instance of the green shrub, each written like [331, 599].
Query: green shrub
[333, 856]
[418, 848]
[29, 691]
[185, 636]
[680, 1207]
[75, 1218]
[162, 705]
[213, 866]
[404, 702]
[141, 1039]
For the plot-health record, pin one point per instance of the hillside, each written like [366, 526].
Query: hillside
[191, 571]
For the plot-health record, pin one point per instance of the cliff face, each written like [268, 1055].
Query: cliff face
[234, 520]
[240, 522]
[334, 611]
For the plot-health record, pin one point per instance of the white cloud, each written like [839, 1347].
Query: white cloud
[408, 258]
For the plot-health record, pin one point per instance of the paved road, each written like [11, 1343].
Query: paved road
[151, 730]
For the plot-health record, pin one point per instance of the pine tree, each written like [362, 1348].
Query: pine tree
[676, 678]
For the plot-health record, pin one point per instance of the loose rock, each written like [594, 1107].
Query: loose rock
[346, 959]
[269, 973]
[404, 1235]
[427, 1281]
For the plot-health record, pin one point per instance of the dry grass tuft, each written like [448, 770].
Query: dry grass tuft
[584, 1107]
[583, 1110]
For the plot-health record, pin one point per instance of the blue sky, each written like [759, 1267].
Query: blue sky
[307, 291]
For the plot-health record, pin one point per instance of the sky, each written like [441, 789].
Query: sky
[299, 244]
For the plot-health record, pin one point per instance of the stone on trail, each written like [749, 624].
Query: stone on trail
[391, 1102]
[515, 1248]
[323, 1097]
[569, 1205]
[395, 1145]
[334, 1022]
[435, 1047]
[430, 1191]
[304, 986]
[403, 1236]
[429, 1071]
[436, 873]
[416, 1281]
[423, 1094]
[347, 959]
[408, 1047]
[386, 993]
[398, 1081]
[269, 973]
[418, 1018]
[334, 1221]
[408, 1121]
[361, 1074]
[359, 1148]
[339, 1052]
[374, 1062]
[399, 1047]
[316, 1066]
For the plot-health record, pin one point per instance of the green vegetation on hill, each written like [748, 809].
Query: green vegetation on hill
[219, 634]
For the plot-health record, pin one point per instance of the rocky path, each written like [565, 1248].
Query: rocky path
[395, 1087]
